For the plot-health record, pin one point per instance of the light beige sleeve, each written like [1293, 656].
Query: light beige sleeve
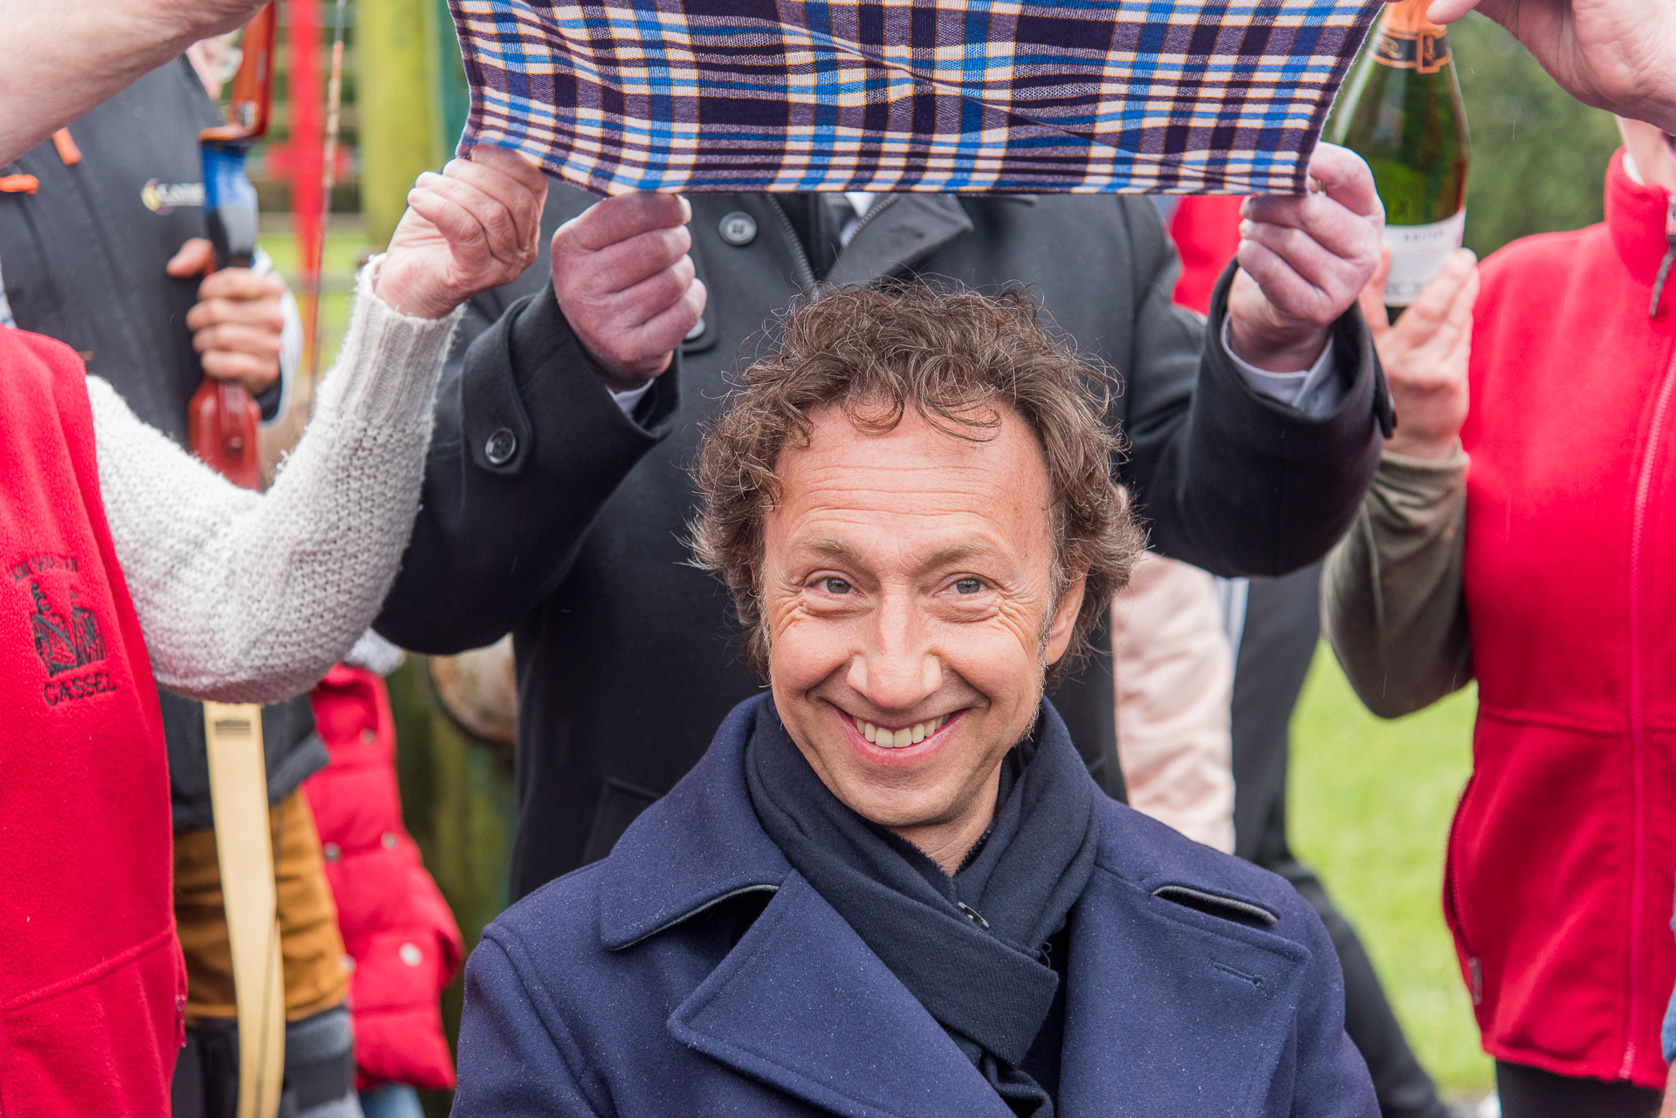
[1391, 600]
[1174, 685]
[247, 597]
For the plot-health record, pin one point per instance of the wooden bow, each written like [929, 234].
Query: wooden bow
[222, 423]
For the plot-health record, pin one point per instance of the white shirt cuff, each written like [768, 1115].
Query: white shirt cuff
[629, 399]
[1316, 391]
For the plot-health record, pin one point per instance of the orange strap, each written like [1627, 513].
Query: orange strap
[67, 149]
[29, 184]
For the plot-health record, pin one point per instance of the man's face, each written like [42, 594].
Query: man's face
[908, 597]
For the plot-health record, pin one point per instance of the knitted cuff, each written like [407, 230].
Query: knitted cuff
[390, 362]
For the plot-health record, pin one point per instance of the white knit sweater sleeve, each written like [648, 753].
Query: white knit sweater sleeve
[247, 597]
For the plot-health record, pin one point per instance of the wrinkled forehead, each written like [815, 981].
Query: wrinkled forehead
[915, 491]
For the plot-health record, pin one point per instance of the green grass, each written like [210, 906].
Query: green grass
[1370, 808]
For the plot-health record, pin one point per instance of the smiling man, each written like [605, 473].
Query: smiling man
[891, 886]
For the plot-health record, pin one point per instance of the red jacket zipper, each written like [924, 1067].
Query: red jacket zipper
[1455, 911]
[1637, 728]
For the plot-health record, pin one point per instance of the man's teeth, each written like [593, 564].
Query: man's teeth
[897, 739]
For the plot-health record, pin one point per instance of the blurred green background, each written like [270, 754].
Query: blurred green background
[1371, 803]
[1371, 800]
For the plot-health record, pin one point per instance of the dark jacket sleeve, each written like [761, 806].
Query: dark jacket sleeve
[514, 1058]
[1231, 480]
[520, 405]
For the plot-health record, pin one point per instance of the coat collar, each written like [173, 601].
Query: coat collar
[695, 847]
[907, 229]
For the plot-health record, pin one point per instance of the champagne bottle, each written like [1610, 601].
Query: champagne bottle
[1403, 114]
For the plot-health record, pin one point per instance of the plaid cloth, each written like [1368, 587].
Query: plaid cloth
[1177, 96]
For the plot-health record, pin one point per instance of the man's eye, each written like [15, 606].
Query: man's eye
[835, 586]
[968, 585]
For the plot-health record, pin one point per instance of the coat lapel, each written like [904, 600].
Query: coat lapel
[697, 846]
[1169, 1011]
[802, 1005]
[910, 228]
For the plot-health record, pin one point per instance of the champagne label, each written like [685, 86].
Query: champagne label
[1418, 254]
[1424, 51]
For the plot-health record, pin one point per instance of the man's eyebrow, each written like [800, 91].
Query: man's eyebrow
[842, 552]
[955, 553]
[831, 547]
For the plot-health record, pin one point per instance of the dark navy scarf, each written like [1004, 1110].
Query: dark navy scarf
[972, 947]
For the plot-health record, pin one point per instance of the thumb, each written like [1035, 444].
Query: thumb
[1372, 297]
[195, 258]
[1448, 11]
[1346, 178]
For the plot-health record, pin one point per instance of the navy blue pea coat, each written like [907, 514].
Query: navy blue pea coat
[694, 972]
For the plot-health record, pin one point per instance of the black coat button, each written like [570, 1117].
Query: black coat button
[500, 448]
[738, 228]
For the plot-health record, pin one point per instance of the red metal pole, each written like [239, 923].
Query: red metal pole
[305, 156]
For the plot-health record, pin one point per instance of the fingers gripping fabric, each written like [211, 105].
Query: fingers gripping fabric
[1187, 96]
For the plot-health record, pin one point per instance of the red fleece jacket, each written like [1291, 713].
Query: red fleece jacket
[1563, 853]
[90, 974]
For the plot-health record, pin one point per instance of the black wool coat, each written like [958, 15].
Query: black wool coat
[548, 512]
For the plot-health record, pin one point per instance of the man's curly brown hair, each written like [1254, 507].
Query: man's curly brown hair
[957, 358]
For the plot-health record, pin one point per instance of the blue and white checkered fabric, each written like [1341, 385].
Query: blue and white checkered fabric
[1189, 96]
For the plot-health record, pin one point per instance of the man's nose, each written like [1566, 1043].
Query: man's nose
[896, 668]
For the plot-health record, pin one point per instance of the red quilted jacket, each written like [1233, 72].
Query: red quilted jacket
[396, 926]
[1563, 854]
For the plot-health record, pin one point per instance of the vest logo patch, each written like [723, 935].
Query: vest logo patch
[63, 646]
[66, 632]
[163, 197]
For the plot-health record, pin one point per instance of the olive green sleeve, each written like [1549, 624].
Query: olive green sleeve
[1391, 600]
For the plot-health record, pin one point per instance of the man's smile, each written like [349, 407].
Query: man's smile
[928, 734]
[908, 735]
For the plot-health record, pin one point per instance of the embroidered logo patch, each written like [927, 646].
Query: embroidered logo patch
[66, 631]
[65, 645]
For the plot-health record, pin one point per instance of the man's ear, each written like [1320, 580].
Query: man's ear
[1065, 618]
